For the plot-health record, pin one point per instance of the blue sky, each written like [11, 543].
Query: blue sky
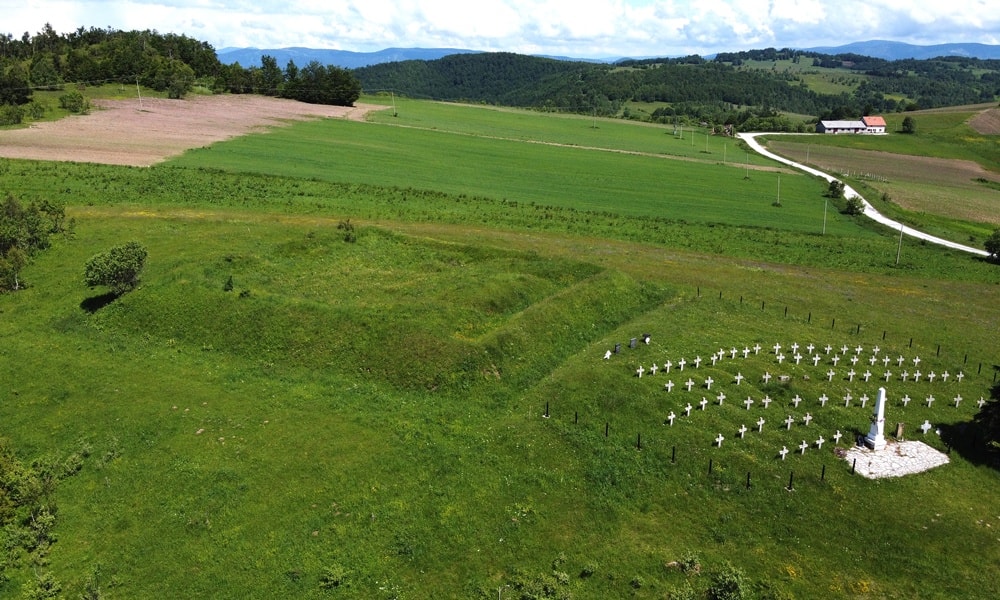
[584, 29]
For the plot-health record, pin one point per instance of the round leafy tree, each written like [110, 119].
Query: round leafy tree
[118, 268]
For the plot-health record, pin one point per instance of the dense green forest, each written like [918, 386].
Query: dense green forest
[170, 63]
[731, 90]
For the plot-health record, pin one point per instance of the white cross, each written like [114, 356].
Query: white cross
[720, 398]
[945, 376]
[703, 403]
[854, 359]
[798, 358]
[859, 349]
[687, 410]
[916, 376]
[906, 399]
[777, 348]
[930, 400]
[899, 360]
[830, 374]
[681, 363]
[886, 360]
[850, 375]
[803, 446]
[872, 360]
[820, 442]
[926, 426]
[742, 430]
[875, 350]
[789, 421]
[746, 352]
[652, 370]
[822, 400]
[715, 359]
[795, 346]
[981, 402]
[748, 402]
[868, 375]
[835, 359]
[837, 436]
[828, 348]
[847, 400]
[781, 358]
[708, 383]
[739, 378]
[887, 375]
[607, 355]
[783, 452]
[931, 376]
[719, 439]
[916, 361]
[810, 347]
[807, 418]
[957, 400]
[640, 371]
[689, 384]
[666, 366]
[816, 359]
[796, 400]
[960, 376]
[766, 401]
[864, 400]
[760, 424]
[732, 353]
[671, 417]
[756, 349]
[904, 375]
[843, 349]
[767, 377]
[697, 362]
[669, 386]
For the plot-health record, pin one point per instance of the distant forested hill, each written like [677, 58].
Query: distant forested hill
[726, 90]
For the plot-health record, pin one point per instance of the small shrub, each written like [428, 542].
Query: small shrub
[855, 206]
[228, 287]
[11, 114]
[690, 564]
[333, 577]
[74, 102]
[729, 584]
[588, 569]
[637, 582]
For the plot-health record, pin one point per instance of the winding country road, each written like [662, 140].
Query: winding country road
[870, 212]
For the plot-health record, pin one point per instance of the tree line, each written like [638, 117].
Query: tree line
[164, 62]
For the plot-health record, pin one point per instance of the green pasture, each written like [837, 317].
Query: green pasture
[423, 408]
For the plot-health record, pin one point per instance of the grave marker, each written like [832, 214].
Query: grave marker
[697, 362]
[876, 434]
[931, 376]
[820, 442]
[640, 371]
[981, 402]
[719, 440]
[689, 384]
[945, 376]
[742, 430]
[748, 402]
[703, 403]
[828, 348]
[843, 349]
[720, 398]
[766, 401]
[926, 426]
[669, 386]
[875, 350]
[666, 366]
[788, 422]
[777, 348]
[904, 375]
[795, 346]
[906, 400]
[868, 375]
[802, 447]
[864, 400]
[808, 418]
[816, 359]
[671, 418]
[850, 375]
[830, 374]
[960, 376]
[930, 400]
[607, 355]
[837, 436]
[822, 400]
[886, 360]
[632, 343]
[916, 361]
[810, 347]
[732, 353]
[957, 400]
[756, 349]
[783, 452]
[899, 360]
[847, 400]
[687, 410]
[681, 363]
[871, 361]
[760, 425]
[835, 359]
[708, 383]
[767, 377]
[618, 348]
[859, 349]
[652, 370]
[746, 352]
[739, 378]
[796, 400]
[781, 358]
[798, 358]
[854, 360]
[887, 375]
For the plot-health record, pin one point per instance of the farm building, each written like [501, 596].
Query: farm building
[874, 125]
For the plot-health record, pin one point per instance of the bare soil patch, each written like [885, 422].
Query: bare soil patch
[121, 132]
[986, 122]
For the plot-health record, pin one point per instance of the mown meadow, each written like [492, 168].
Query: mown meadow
[366, 360]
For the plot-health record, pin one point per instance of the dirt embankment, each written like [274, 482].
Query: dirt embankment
[127, 132]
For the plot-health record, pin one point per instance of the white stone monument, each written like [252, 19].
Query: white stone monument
[876, 435]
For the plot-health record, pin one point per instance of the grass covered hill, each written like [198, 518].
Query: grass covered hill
[367, 360]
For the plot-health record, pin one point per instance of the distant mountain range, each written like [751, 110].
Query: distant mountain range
[250, 57]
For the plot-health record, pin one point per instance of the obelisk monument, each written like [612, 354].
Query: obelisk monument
[876, 434]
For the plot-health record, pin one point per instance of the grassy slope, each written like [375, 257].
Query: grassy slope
[376, 406]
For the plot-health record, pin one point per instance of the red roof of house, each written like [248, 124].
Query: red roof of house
[873, 121]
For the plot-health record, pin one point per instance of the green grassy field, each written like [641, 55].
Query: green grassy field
[367, 418]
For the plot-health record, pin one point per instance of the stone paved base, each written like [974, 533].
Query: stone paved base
[895, 460]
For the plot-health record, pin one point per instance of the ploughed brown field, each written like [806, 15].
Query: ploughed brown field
[123, 132]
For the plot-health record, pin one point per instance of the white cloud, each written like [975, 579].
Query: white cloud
[597, 28]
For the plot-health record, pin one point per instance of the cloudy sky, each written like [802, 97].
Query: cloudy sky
[578, 28]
